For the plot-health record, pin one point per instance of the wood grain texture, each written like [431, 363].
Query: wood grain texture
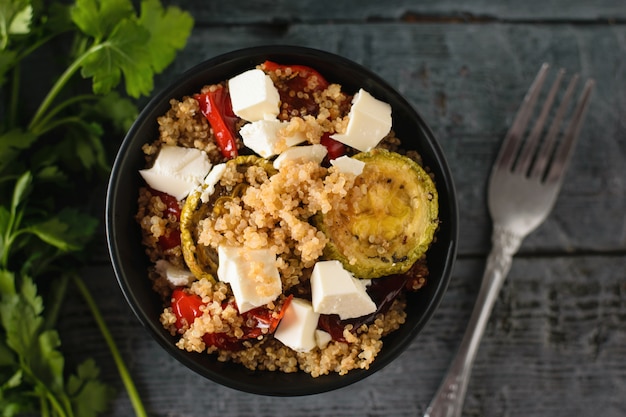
[285, 11]
[556, 342]
[555, 346]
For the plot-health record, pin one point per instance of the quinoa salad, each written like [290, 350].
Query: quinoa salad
[284, 221]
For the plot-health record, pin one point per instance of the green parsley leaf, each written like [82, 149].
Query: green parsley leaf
[20, 317]
[9, 10]
[88, 395]
[86, 146]
[68, 231]
[97, 18]
[47, 362]
[21, 21]
[52, 173]
[11, 144]
[123, 52]
[22, 187]
[63, 136]
[7, 282]
[164, 40]
[5, 220]
[120, 111]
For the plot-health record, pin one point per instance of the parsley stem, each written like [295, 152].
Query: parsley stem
[58, 291]
[117, 357]
[43, 125]
[58, 122]
[58, 86]
[56, 405]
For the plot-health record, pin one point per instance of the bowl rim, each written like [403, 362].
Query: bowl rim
[153, 326]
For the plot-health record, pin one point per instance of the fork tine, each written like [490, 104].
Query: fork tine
[550, 140]
[562, 157]
[530, 147]
[513, 138]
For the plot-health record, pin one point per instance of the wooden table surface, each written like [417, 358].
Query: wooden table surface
[556, 342]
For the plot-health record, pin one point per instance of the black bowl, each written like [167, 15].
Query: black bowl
[130, 263]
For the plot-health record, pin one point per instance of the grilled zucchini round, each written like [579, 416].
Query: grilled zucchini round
[202, 260]
[389, 219]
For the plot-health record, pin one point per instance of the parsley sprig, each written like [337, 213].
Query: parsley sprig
[51, 145]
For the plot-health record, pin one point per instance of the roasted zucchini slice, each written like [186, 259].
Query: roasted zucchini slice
[388, 220]
[200, 259]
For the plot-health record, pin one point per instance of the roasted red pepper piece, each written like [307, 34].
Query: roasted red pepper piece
[296, 79]
[218, 110]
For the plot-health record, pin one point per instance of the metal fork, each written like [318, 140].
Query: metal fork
[523, 186]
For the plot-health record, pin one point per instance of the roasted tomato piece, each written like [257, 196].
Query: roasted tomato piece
[383, 291]
[222, 341]
[170, 239]
[261, 318]
[334, 148]
[172, 205]
[296, 84]
[186, 307]
[217, 108]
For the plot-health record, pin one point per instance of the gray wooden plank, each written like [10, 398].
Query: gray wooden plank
[554, 347]
[467, 81]
[285, 12]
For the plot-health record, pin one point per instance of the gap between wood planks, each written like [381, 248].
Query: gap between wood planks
[461, 17]
[282, 24]
[575, 253]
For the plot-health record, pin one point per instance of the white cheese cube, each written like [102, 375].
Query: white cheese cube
[264, 137]
[297, 328]
[252, 274]
[369, 122]
[176, 276]
[348, 165]
[314, 153]
[254, 96]
[335, 291]
[177, 170]
[215, 175]
[322, 338]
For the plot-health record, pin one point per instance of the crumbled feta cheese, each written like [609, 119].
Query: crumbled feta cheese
[322, 338]
[264, 137]
[315, 153]
[297, 327]
[177, 170]
[215, 175]
[369, 122]
[335, 291]
[176, 276]
[254, 96]
[252, 274]
[348, 165]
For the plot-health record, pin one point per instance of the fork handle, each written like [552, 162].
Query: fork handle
[448, 401]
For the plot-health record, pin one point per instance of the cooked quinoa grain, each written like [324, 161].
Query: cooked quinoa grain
[256, 207]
